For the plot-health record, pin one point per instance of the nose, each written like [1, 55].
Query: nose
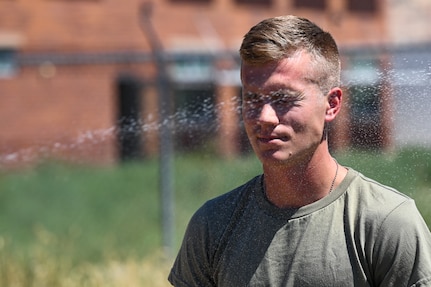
[268, 115]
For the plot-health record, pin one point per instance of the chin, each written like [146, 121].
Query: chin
[276, 158]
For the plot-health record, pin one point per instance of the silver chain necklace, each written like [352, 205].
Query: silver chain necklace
[335, 177]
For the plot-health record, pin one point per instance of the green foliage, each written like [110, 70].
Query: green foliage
[98, 212]
[406, 170]
[76, 214]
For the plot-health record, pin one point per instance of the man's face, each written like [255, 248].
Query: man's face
[283, 109]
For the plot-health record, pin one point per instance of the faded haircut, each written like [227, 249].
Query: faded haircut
[281, 37]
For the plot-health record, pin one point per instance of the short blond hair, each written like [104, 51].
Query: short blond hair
[281, 37]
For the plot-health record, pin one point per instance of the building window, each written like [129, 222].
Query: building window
[255, 2]
[195, 117]
[193, 70]
[8, 65]
[369, 6]
[312, 4]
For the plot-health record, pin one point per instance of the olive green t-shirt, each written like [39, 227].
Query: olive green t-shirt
[362, 234]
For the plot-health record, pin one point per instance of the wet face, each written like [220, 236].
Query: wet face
[283, 110]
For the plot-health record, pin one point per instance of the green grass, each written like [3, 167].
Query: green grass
[90, 210]
[75, 215]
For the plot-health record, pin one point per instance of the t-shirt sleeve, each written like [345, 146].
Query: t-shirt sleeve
[402, 251]
[192, 265]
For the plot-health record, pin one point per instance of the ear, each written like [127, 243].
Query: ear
[334, 99]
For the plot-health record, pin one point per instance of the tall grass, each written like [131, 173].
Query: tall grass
[63, 225]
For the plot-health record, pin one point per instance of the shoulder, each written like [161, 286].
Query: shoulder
[219, 211]
[379, 189]
[373, 197]
[197, 255]
[391, 231]
[381, 206]
[381, 213]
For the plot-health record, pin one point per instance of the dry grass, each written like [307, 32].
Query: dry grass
[44, 268]
[151, 272]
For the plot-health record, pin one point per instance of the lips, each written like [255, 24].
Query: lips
[271, 139]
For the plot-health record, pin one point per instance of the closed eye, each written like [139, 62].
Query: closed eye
[287, 96]
[253, 100]
[282, 100]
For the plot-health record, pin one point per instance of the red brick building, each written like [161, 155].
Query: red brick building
[66, 64]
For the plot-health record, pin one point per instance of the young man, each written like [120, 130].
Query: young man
[306, 221]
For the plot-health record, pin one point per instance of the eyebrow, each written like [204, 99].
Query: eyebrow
[287, 93]
[281, 93]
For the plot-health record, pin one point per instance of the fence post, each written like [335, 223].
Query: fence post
[165, 132]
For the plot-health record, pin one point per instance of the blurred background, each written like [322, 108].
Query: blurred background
[118, 119]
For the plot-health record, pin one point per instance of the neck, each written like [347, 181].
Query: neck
[294, 186]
